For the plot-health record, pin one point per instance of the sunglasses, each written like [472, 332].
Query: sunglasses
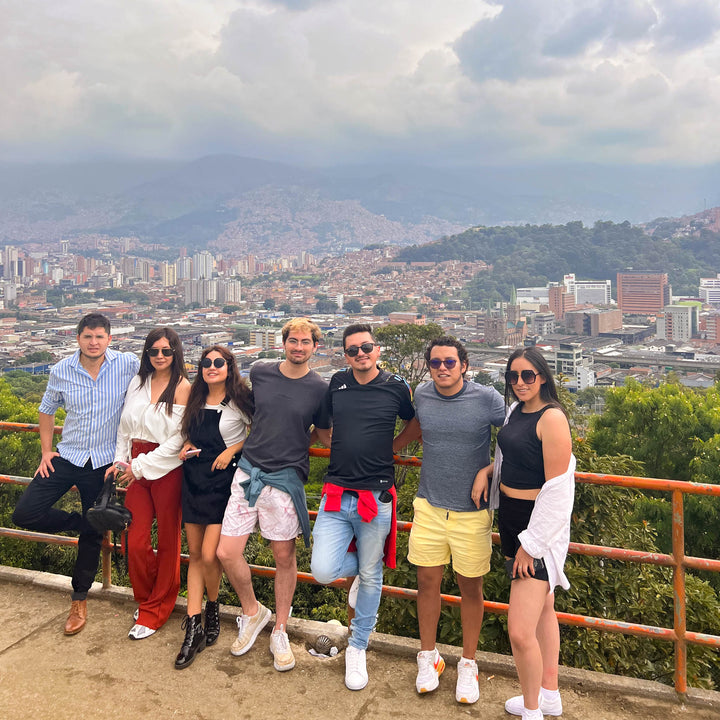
[528, 377]
[449, 363]
[154, 352]
[366, 347]
[207, 362]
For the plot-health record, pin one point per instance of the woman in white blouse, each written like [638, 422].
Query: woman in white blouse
[146, 460]
[214, 429]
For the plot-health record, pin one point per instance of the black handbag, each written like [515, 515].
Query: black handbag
[107, 513]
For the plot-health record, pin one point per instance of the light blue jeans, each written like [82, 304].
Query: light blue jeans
[331, 560]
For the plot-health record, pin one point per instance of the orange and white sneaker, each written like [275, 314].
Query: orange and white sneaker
[430, 667]
[467, 689]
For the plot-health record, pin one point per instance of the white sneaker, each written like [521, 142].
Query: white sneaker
[356, 677]
[353, 592]
[140, 632]
[280, 648]
[249, 628]
[467, 689]
[430, 666]
[549, 706]
[532, 714]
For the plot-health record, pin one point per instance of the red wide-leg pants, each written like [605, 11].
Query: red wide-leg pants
[155, 577]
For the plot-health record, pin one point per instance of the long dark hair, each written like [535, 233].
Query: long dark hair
[548, 391]
[177, 369]
[236, 390]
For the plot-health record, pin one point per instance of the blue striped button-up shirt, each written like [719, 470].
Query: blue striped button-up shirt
[93, 406]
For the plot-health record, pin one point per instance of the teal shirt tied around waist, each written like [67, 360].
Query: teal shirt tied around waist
[286, 480]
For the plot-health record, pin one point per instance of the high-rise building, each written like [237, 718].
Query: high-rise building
[709, 290]
[203, 265]
[642, 293]
[168, 274]
[560, 300]
[678, 322]
[183, 268]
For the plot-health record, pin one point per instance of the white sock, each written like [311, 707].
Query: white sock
[532, 714]
[549, 694]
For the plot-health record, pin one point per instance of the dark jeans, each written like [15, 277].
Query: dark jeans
[35, 511]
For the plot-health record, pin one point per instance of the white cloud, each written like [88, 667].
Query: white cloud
[342, 80]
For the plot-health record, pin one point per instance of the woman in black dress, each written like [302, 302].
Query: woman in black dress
[214, 428]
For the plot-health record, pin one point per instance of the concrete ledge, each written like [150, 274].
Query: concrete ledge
[488, 663]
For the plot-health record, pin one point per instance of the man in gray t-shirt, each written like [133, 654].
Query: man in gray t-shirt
[454, 419]
[268, 488]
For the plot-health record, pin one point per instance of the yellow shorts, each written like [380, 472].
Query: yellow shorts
[437, 534]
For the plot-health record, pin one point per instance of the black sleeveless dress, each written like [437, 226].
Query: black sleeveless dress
[205, 492]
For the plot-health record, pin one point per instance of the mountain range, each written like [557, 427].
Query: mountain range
[252, 205]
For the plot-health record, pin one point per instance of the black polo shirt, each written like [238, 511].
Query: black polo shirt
[363, 420]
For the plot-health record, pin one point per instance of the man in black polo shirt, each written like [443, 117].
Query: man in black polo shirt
[359, 494]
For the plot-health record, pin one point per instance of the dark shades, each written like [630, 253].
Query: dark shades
[528, 377]
[353, 350]
[166, 351]
[217, 362]
[449, 363]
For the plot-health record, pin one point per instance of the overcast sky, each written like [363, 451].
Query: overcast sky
[328, 81]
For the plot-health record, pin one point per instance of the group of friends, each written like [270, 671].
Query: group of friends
[186, 454]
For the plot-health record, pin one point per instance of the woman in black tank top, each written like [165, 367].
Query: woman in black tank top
[536, 446]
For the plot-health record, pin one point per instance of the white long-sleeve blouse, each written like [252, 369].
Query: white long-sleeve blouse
[142, 419]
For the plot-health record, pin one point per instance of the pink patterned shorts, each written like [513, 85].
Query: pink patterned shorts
[274, 513]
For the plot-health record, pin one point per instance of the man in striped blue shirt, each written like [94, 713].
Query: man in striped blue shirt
[91, 386]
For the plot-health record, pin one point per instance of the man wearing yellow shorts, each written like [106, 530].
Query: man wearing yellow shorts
[454, 419]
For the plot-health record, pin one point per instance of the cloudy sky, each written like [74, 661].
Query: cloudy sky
[327, 81]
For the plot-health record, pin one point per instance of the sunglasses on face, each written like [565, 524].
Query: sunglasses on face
[366, 347]
[449, 363]
[528, 377]
[166, 351]
[207, 362]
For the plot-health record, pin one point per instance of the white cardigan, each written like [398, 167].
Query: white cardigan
[548, 533]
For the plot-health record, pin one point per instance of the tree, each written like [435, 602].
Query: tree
[326, 307]
[39, 356]
[404, 348]
[285, 308]
[352, 306]
[385, 308]
[230, 309]
[269, 304]
[674, 431]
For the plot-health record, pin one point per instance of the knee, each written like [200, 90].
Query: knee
[210, 559]
[321, 571]
[21, 517]
[222, 553]
[285, 560]
[521, 637]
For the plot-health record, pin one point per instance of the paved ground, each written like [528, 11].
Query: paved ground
[101, 674]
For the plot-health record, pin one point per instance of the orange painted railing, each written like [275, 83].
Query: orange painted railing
[677, 560]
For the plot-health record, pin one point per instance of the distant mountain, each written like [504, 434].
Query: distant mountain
[233, 202]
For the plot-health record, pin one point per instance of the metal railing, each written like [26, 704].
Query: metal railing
[677, 560]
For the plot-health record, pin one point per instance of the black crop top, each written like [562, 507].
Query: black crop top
[522, 463]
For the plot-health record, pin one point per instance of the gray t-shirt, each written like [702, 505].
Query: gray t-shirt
[456, 441]
[285, 409]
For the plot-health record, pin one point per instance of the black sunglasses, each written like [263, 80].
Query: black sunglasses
[353, 350]
[449, 363]
[154, 352]
[207, 362]
[528, 377]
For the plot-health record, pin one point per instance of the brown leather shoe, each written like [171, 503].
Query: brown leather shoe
[77, 617]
